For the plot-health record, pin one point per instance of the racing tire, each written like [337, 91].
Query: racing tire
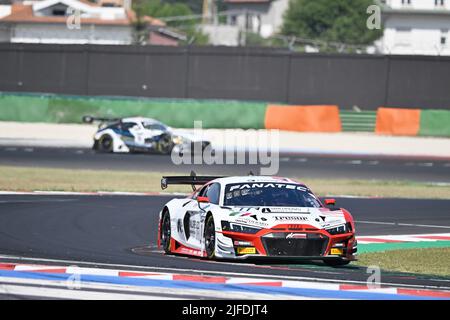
[166, 232]
[165, 144]
[336, 262]
[105, 144]
[210, 237]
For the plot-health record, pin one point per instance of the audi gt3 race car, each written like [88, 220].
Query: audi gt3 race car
[140, 134]
[255, 216]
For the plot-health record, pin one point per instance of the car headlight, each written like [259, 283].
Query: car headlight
[227, 226]
[177, 140]
[338, 230]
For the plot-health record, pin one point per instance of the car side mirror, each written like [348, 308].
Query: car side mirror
[330, 202]
[203, 199]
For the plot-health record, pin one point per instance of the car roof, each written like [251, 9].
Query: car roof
[254, 179]
[140, 119]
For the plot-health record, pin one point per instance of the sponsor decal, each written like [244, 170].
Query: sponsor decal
[194, 225]
[248, 214]
[268, 185]
[290, 218]
[179, 226]
[248, 250]
[191, 252]
[244, 211]
[252, 222]
[287, 210]
[337, 251]
[296, 236]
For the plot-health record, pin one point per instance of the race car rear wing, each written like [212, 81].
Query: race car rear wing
[192, 180]
[91, 119]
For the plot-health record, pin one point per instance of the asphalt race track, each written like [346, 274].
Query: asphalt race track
[122, 230]
[295, 165]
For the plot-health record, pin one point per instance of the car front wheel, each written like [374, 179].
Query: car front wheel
[210, 237]
[165, 232]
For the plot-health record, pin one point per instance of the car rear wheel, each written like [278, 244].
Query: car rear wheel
[165, 232]
[210, 237]
[105, 143]
[336, 262]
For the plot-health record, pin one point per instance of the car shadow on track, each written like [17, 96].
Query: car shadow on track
[258, 261]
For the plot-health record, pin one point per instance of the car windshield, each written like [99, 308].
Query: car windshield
[270, 194]
[154, 126]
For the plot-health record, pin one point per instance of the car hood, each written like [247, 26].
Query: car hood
[269, 217]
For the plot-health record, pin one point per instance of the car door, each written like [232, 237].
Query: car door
[124, 129]
[137, 131]
[195, 214]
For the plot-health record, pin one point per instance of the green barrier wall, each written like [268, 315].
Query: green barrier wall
[434, 123]
[176, 113]
[24, 108]
[180, 113]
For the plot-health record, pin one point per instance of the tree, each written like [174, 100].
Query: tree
[195, 5]
[341, 21]
[161, 9]
[140, 27]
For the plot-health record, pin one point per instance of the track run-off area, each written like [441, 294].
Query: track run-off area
[120, 232]
[322, 166]
[110, 240]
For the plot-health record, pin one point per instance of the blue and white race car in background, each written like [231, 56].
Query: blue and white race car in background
[139, 134]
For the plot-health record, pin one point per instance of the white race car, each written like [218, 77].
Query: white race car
[139, 134]
[255, 216]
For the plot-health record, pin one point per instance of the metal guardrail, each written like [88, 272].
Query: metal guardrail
[363, 121]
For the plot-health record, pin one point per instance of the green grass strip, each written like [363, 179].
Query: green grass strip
[377, 247]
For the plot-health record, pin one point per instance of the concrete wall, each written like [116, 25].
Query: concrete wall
[273, 75]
